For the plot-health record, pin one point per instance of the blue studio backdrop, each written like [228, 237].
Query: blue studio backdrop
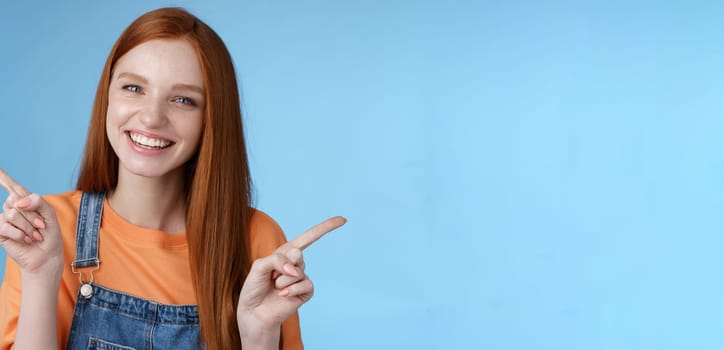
[516, 174]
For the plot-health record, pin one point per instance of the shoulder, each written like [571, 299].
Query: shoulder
[265, 235]
[65, 206]
[61, 202]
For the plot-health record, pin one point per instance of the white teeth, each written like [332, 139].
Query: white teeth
[149, 142]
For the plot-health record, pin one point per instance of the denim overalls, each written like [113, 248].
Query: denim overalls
[107, 319]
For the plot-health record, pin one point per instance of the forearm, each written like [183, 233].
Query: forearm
[253, 338]
[37, 321]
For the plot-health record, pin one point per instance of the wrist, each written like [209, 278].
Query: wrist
[256, 336]
[48, 274]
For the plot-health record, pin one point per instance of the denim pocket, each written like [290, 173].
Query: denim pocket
[98, 344]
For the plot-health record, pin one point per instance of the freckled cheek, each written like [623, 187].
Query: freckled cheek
[117, 116]
[192, 129]
[119, 113]
[121, 109]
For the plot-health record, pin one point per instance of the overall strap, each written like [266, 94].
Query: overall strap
[86, 235]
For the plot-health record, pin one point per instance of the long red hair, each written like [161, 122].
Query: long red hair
[218, 184]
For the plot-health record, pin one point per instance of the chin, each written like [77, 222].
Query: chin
[149, 170]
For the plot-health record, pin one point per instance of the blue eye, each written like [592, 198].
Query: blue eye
[185, 100]
[132, 88]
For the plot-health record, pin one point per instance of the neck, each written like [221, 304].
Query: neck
[154, 203]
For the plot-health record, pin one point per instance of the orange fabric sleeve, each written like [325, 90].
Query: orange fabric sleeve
[9, 304]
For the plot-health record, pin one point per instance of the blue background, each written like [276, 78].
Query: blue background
[517, 175]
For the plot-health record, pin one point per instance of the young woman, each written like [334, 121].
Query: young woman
[158, 246]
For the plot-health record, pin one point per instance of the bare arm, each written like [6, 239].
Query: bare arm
[30, 234]
[37, 322]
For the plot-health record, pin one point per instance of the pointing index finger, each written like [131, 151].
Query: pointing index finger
[315, 233]
[11, 186]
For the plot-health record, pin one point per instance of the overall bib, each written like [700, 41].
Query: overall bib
[108, 319]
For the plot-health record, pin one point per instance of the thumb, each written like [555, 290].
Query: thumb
[276, 264]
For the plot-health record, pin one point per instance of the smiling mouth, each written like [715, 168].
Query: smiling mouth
[148, 142]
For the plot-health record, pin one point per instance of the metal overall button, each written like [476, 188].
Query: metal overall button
[86, 288]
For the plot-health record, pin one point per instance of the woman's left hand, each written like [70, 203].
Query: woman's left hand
[277, 286]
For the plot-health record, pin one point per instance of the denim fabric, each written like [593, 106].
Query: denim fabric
[112, 320]
[86, 234]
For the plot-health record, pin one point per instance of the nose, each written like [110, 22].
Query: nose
[153, 114]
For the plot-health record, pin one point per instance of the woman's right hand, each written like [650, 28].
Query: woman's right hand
[29, 231]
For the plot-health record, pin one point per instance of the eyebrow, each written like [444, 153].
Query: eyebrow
[188, 87]
[132, 76]
[143, 80]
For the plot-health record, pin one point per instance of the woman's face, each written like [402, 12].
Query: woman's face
[155, 107]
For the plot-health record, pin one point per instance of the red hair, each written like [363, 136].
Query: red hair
[218, 184]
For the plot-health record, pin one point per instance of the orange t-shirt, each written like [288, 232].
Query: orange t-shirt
[146, 263]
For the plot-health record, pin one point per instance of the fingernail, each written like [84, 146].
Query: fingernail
[22, 203]
[39, 223]
[288, 268]
[284, 293]
[37, 236]
[27, 240]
